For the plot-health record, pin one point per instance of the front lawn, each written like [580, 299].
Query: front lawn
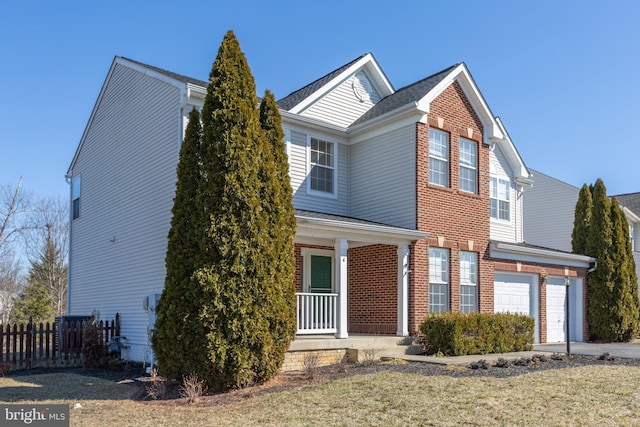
[584, 395]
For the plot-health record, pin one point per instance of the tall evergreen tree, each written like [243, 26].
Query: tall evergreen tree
[582, 221]
[177, 349]
[242, 324]
[600, 285]
[279, 257]
[624, 298]
[34, 303]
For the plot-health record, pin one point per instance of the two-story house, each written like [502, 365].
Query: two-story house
[408, 202]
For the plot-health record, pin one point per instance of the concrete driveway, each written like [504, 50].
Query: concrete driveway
[624, 350]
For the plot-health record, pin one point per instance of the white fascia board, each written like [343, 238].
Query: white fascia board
[369, 233]
[462, 75]
[365, 60]
[408, 113]
[538, 255]
[196, 93]
[631, 217]
[516, 162]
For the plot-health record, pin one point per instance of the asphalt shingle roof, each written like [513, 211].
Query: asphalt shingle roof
[171, 74]
[294, 98]
[630, 201]
[405, 95]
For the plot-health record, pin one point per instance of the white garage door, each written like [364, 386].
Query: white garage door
[512, 294]
[556, 319]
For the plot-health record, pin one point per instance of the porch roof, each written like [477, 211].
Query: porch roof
[322, 228]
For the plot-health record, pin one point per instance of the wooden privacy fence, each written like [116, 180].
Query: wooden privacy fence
[56, 344]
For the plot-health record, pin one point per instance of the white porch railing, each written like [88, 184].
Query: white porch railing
[317, 313]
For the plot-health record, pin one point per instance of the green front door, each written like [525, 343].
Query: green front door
[321, 284]
[320, 275]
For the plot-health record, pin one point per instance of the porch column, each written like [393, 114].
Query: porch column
[403, 291]
[341, 247]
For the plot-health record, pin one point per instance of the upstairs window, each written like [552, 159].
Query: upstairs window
[438, 157]
[75, 197]
[438, 280]
[468, 168]
[322, 176]
[468, 282]
[500, 198]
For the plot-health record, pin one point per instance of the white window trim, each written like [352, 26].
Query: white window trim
[473, 167]
[441, 159]
[76, 192]
[474, 284]
[306, 254]
[511, 200]
[333, 195]
[440, 282]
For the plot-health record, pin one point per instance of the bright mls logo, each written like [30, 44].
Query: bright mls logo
[35, 415]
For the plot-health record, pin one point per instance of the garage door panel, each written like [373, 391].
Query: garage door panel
[512, 294]
[556, 318]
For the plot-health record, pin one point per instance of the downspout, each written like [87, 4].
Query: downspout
[67, 179]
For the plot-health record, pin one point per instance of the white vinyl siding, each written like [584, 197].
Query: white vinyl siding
[345, 103]
[299, 160]
[468, 166]
[438, 280]
[468, 282]
[500, 194]
[503, 230]
[383, 178]
[549, 208]
[128, 166]
[438, 157]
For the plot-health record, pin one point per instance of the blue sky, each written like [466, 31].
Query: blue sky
[560, 74]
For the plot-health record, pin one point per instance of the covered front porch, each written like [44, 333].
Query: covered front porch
[351, 276]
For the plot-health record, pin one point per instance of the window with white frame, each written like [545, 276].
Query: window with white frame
[468, 168]
[322, 163]
[438, 280]
[500, 198]
[75, 197]
[468, 282]
[438, 157]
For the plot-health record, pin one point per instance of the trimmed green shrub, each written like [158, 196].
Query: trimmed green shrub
[457, 334]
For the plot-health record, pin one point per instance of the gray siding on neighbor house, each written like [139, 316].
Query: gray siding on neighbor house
[302, 198]
[383, 178]
[549, 208]
[127, 165]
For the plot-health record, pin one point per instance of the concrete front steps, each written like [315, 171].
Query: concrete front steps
[327, 350]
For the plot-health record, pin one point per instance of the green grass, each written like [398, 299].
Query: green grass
[589, 395]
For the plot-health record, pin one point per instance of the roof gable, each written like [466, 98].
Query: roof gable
[363, 75]
[174, 79]
[461, 74]
[508, 148]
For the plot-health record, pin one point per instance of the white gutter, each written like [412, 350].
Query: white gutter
[326, 228]
[516, 252]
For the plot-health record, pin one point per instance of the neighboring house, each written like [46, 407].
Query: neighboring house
[549, 210]
[408, 202]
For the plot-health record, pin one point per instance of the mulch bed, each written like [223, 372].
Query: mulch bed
[132, 373]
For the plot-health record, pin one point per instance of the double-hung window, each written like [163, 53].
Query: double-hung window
[438, 280]
[322, 176]
[468, 168]
[500, 198]
[468, 282]
[438, 157]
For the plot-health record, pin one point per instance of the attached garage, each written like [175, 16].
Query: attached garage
[556, 310]
[517, 293]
